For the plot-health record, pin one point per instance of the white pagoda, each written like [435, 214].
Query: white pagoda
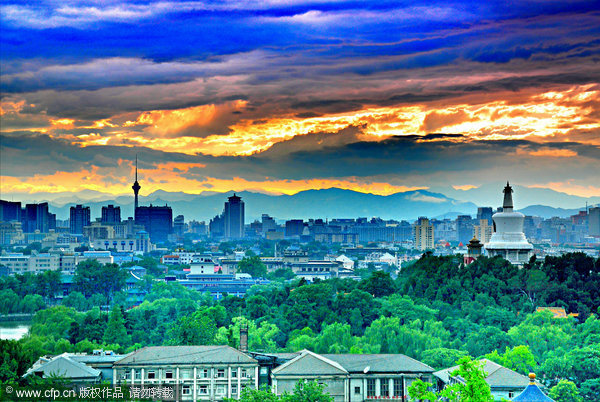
[508, 239]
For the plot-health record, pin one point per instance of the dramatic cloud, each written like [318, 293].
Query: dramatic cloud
[287, 95]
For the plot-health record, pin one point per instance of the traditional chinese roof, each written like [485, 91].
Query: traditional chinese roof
[532, 393]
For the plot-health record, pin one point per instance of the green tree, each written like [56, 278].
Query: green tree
[565, 391]
[77, 301]
[91, 277]
[253, 266]
[440, 358]
[519, 359]
[195, 329]
[590, 390]
[473, 389]
[308, 391]
[378, 284]
[32, 303]
[256, 395]
[115, 330]
[14, 361]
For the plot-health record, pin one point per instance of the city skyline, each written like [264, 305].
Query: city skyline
[377, 98]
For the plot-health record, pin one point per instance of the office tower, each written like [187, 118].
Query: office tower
[79, 218]
[485, 213]
[268, 223]
[36, 217]
[464, 227]
[10, 211]
[136, 188]
[158, 222]
[508, 240]
[423, 234]
[594, 221]
[111, 215]
[294, 227]
[233, 215]
[216, 227]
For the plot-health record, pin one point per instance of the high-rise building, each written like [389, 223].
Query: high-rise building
[483, 231]
[179, 226]
[233, 216]
[508, 240]
[216, 227]
[158, 222]
[36, 217]
[423, 234]
[485, 213]
[136, 188]
[294, 227]
[79, 218]
[594, 221]
[464, 227]
[111, 215]
[10, 211]
[268, 223]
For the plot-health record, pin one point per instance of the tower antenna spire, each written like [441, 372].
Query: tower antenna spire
[135, 167]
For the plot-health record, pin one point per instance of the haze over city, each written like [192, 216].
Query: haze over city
[281, 97]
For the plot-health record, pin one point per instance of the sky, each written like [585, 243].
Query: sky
[283, 96]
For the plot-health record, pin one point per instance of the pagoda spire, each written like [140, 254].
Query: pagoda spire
[507, 205]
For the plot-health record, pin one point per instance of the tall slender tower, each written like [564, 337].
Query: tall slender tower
[136, 188]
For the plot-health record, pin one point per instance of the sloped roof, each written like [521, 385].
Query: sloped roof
[379, 363]
[532, 394]
[63, 366]
[161, 355]
[309, 363]
[497, 376]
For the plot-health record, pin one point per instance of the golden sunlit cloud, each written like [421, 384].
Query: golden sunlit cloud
[570, 187]
[533, 117]
[464, 187]
[554, 153]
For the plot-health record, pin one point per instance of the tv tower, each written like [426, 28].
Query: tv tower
[136, 187]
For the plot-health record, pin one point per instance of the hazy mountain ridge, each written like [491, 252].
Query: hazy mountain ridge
[326, 203]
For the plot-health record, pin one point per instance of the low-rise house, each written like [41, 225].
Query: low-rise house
[77, 367]
[504, 382]
[200, 372]
[352, 377]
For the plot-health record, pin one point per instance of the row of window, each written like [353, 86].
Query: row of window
[186, 373]
[203, 390]
[384, 387]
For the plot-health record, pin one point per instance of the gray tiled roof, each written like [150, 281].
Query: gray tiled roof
[309, 363]
[497, 376]
[63, 366]
[380, 363]
[161, 355]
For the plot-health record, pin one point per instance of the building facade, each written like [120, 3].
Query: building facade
[203, 373]
[157, 221]
[423, 234]
[79, 218]
[233, 216]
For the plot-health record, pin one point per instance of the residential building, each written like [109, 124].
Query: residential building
[464, 227]
[483, 231]
[79, 218]
[423, 234]
[594, 221]
[205, 373]
[485, 213]
[111, 215]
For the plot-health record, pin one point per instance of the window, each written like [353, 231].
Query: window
[233, 373]
[203, 373]
[151, 375]
[384, 387]
[185, 390]
[221, 373]
[221, 389]
[398, 386]
[169, 374]
[244, 373]
[233, 389]
[370, 387]
[511, 394]
[203, 389]
[137, 374]
[357, 390]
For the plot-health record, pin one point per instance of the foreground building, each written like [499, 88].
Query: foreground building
[203, 373]
[508, 240]
[352, 377]
[504, 383]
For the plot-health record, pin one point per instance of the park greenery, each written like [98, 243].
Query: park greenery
[437, 310]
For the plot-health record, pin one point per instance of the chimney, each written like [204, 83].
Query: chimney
[244, 338]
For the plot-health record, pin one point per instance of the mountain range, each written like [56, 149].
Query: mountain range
[326, 203]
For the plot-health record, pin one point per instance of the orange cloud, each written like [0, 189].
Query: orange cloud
[554, 153]
[570, 187]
